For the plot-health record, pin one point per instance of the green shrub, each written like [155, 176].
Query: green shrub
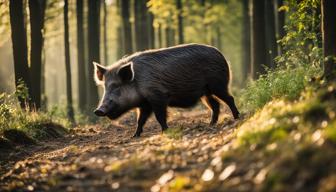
[17, 123]
[284, 82]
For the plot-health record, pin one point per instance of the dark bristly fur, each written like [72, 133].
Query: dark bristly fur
[177, 76]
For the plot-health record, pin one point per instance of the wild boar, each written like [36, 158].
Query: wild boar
[176, 76]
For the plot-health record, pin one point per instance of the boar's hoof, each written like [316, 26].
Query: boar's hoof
[136, 135]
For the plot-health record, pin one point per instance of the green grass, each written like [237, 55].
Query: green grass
[25, 127]
[293, 142]
[174, 132]
[281, 83]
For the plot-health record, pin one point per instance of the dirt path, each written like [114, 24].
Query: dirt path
[105, 158]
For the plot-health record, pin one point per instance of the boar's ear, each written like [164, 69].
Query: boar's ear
[99, 72]
[126, 72]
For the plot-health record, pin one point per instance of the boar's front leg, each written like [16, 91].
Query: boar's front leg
[143, 113]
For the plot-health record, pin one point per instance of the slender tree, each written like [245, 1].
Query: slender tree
[93, 49]
[170, 36]
[271, 44]
[179, 22]
[159, 36]
[140, 25]
[37, 10]
[126, 26]
[150, 27]
[258, 43]
[105, 32]
[70, 111]
[120, 46]
[219, 38]
[82, 73]
[246, 40]
[281, 19]
[19, 42]
[329, 38]
[280, 23]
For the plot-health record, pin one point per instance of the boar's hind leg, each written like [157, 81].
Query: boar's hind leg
[229, 100]
[160, 112]
[143, 114]
[213, 105]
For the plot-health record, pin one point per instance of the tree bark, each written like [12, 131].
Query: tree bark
[329, 38]
[180, 22]
[151, 33]
[258, 42]
[70, 111]
[170, 36]
[105, 32]
[246, 41]
[140, 25]
[281, 20]
[37, 10]
[81, 65]
[126, 26]
[159, 32]
[280, 23]
[271, 44]
[19, 43]
[93, 49]
[219, 38]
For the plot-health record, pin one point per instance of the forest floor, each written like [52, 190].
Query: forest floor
[284, 146]
[105, 157]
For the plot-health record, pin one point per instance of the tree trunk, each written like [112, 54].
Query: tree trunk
[159, 32]
[258, 42]
[246, 41]
[219, 38]
[36, 9]
[280, 23]
[170, 36]
[281, 20]
[329, 38]
[82, 74]
[180, 22]
[105, 32]
[151, 34]
[126, 26]
[19, 43]
[93, 49]
[70, 111]
[140, 25]
[271, 44]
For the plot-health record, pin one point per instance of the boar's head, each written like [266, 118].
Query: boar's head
[120, 93]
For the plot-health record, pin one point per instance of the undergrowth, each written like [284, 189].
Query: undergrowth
[24, 126]
[281, 83]
[285, 146]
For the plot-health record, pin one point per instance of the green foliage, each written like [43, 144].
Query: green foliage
[302, 42]
[284, 82]
[300, 61]
[36, 125]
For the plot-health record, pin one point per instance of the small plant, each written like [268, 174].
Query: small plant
[22, 126]
[174, 132]
[284, 82]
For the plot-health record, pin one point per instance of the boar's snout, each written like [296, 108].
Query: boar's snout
[99, 112]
